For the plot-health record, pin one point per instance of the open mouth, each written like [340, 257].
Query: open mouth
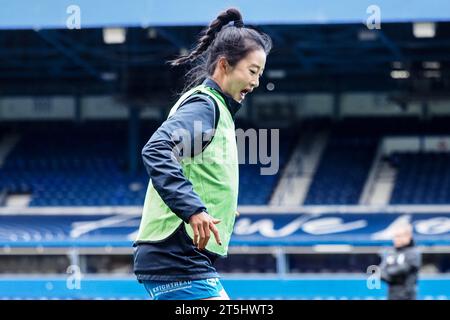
[244, 92]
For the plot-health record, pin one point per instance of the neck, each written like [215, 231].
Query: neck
[219, 79]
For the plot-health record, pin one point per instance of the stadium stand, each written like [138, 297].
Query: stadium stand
[250, 174]
[85, 165]
[422, 178]
[72, 166]
[342, 171]
[345, 164]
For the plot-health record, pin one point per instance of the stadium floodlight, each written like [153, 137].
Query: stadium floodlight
[432, 74]
[108, 76]
[367, 35]
[399, 74]
[276, 74]
[397, 65]
[431, 65]
[114, 35]
[424, 29]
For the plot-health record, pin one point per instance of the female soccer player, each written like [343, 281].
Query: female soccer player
[193, 165]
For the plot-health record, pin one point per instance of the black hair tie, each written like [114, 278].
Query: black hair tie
[238, 23]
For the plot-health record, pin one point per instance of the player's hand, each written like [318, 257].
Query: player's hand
[202, 224]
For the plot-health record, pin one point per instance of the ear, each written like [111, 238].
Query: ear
[224, 66]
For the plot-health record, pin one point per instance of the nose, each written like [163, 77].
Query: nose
[255, 83]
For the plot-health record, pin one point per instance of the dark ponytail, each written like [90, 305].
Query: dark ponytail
[233, 42]
[210, 33]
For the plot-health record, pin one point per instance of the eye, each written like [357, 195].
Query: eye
[252, 71]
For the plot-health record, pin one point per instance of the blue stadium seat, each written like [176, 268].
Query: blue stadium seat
[422, 178]
[342, 171]
[85, 166]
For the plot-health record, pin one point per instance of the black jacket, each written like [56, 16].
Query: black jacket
[176, 258]
[400, 268]
[163, 165]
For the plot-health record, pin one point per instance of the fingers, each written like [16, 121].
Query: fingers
[195, 229]
[202, 227]
[204, 235]
[216, 233]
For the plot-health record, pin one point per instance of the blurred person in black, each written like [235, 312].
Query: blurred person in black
[400, 265]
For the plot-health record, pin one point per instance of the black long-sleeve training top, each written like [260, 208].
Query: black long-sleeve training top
[162, 163]
[170, 259]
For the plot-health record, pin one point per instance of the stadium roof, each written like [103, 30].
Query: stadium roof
[320, 46]
[22, 14]
[326, 57]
